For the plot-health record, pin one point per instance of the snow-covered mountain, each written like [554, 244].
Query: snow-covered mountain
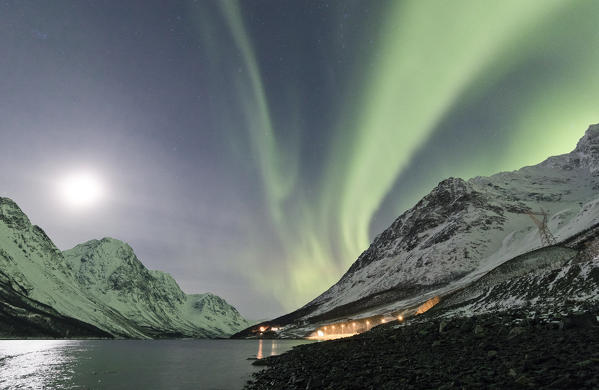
[459, 232]
[152, 300]
[556, 279]
[99, 285]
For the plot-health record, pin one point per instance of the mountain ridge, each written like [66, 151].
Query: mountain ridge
[101, 283]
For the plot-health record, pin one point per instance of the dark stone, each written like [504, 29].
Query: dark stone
[443, 326]
[479, 330]
[417, 356]
[516, 331]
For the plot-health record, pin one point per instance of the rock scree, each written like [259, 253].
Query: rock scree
[507, 350]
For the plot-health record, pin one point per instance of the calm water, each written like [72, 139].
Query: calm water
[132, 364]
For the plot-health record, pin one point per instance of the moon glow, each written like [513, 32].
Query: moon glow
[81, 190]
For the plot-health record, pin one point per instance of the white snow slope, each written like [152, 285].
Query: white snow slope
[462, 230]
[102, 282]
[562, 278]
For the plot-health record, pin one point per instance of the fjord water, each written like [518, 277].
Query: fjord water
[131, 364]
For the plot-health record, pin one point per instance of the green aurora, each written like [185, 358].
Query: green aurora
[430, 65]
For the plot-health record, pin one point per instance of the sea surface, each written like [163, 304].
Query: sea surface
[132, 364]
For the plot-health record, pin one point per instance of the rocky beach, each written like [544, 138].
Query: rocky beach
[513, 349]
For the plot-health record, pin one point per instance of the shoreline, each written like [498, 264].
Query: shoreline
[499, 350]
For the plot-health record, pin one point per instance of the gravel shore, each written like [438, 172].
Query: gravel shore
[499, 351]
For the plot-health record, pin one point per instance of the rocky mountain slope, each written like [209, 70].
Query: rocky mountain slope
[557, 279]
[23, 317]
[458, 233]
[100, 288]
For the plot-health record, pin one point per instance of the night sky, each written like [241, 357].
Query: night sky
[253, 149]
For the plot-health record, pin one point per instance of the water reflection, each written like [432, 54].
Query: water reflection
[264, 352]
[259, 354]
[132, 364]
[37, 364]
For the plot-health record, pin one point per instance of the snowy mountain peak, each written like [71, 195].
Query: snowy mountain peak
[448, 192]
[587, 149]
[105, 263]
[111, 265]
[210, 303]
[11, 214]
[452, 197]
[590, 141]
[108, 244]
[453, 184]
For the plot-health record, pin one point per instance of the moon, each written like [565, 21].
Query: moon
[81, 190]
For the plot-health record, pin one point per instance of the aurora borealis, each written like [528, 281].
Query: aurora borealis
[254, 148]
